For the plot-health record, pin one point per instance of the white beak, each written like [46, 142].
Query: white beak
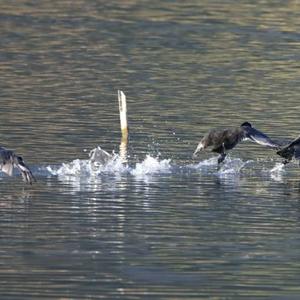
[199, 148]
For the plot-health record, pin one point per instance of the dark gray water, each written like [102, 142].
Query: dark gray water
[165, 226]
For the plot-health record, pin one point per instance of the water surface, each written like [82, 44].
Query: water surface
[164, 226]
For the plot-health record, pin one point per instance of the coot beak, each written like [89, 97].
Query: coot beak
[198, 149]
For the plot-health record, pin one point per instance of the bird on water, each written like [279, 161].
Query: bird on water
[9, 160]
[290, 151]
[222, 140]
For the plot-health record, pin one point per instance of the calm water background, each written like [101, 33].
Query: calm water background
[185, 230]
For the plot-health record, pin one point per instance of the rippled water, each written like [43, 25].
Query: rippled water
[164, 226]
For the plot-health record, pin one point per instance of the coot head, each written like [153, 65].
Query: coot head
[246, 124]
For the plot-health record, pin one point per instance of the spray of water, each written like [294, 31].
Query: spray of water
[101, 163]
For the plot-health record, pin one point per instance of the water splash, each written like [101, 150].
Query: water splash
[112, 165]
[99, 156]
[89, 168]
[76, 167]
[151, 165]
[277, 171]
[205, 164]
[92, 169]
[232, 167]
[278, 168]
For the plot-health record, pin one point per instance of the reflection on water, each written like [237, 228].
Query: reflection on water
[163, 226]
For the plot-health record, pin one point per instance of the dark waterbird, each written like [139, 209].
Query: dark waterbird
[9, 160]
[290, 151]
[222, 140]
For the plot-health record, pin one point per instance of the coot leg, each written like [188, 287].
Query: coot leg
[286, 161]
[221, 157]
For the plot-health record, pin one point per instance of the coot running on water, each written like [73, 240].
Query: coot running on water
[222, 140]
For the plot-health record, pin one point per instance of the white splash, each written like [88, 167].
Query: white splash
[278, 168]
[232, 167]
[151, 165]
[207, 163]
[207, 166]
[98, 167]
[76, 167]
[277, 171]
[88, 168]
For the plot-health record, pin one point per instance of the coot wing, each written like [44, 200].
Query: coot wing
[260, 138]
